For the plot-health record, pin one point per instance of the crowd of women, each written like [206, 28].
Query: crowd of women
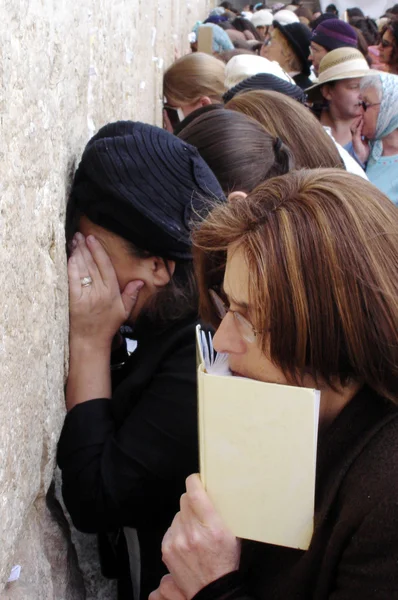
[266, 210]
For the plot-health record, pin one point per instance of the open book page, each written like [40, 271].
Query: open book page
[258, 445]
[214, 363]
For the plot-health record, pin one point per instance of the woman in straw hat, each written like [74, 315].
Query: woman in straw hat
[336, 97]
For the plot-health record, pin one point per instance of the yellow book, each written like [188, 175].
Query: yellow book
[258, 444]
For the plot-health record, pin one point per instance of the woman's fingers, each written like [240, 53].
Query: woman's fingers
[199, 501]
[89, 262]
[198, 548]
[167, 590]
[174, 531]
[75, 286]
[79, 259]
[356, 126]
[102, 261]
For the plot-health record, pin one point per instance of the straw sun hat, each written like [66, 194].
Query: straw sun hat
[342, 63]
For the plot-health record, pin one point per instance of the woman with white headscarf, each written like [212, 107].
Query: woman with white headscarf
[375, 133]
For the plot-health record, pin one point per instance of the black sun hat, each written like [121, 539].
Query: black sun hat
[299, 37]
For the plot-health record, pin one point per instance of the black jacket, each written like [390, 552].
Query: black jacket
[124, 461]
[303, 81]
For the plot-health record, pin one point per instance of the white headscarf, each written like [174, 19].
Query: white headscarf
[245, 65]
[387, 120]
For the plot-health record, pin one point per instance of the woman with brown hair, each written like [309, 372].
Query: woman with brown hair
[239, 151]
[247, 28]
[192, 81]
[293, 123]
[310, 289]
[388, 47]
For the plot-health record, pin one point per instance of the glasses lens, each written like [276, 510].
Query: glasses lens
[218, 304]
[245, 328]
[173, 116]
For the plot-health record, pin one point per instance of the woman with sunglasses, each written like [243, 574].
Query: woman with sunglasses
[388, 47]
[375, 133]
[193, 81]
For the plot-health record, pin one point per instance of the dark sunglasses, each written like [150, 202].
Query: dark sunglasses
[175, 115]
[386, 43]
[366, 105]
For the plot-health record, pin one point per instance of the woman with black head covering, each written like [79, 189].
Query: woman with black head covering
[130, 440]
[290, 47]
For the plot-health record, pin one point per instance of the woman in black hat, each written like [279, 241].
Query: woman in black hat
[290, 47]
[130, 436]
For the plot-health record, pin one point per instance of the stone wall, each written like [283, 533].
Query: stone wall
[66, 68]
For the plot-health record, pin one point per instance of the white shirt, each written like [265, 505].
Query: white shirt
[350, 163]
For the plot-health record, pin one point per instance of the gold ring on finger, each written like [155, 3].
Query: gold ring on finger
[86, 281]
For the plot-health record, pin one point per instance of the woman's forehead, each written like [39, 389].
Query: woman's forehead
[236, 277]
[371, 94]
[388, 35]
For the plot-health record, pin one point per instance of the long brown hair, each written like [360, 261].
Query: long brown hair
[321, 248]
[239, 151]
[392, 27]
[308, 142]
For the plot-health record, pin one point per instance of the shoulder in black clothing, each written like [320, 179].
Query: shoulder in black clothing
[302, 81]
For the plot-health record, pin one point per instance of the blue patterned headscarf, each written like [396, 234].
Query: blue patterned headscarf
[221, 39]
[387, 120]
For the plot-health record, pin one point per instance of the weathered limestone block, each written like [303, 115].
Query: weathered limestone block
[48, 560]
[66, 68]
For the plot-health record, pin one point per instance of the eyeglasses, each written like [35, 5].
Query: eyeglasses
[175, 115]
[366, 105]
[244, 326]
[386, 43]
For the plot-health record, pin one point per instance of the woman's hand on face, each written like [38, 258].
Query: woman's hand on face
[99, 309]
[361, 147]
[198, 549]
[167, 590]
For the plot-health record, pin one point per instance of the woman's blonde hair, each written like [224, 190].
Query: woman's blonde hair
[321, 248]
[294, 124]
[193, 76]
[293, 62]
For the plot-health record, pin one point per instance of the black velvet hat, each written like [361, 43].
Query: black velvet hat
[144, 184]
[299, 37]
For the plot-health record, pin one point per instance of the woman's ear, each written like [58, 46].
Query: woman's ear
[325, 91]
[236, 196]
[205, 100]
[162, 270]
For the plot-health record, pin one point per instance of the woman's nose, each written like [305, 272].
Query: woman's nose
[227, 338]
